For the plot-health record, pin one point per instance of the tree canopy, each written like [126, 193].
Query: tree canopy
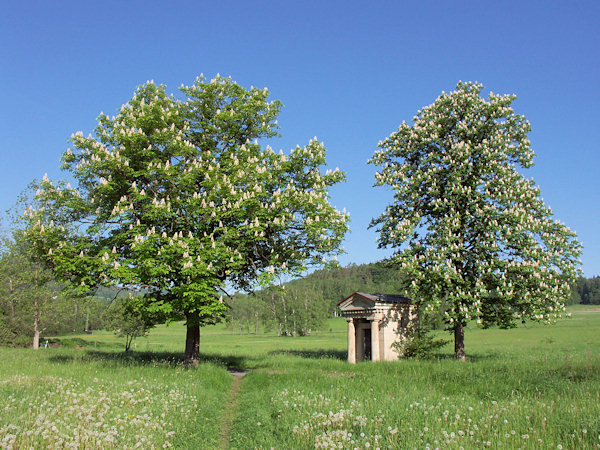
[178, 199]
[473, 234]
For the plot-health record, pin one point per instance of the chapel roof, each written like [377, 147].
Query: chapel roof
[380, 298]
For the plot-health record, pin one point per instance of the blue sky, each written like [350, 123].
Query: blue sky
[348, 72]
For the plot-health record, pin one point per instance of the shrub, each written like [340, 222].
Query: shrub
[416, 341]
[419, 346]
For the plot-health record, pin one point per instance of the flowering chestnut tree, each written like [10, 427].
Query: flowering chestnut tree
[176, 198]
[472, 233]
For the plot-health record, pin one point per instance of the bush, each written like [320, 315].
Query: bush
[419, 346]
[416, 341]
[10, 335]
[7, 335]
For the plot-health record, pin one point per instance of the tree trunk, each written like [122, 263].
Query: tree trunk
[36, 326]
[128, 341]
[13, 301]
[75, 319]
[459, 341]
[192, 344]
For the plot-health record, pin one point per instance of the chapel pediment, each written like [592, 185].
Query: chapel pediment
[357, 302]
[363, 301]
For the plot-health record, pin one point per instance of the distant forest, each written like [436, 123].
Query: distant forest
[587, 291]
[337, 284]
[304, 304]
[301, 308]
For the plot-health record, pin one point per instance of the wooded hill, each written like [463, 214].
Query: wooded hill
[304, 304]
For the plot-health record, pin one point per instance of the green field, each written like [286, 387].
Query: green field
[532, 387]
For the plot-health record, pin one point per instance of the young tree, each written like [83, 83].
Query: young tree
[177, 198]
[126, 319]
[30, 298]
[470, 230]
[88, 310]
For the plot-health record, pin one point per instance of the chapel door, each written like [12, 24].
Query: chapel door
[367, 345]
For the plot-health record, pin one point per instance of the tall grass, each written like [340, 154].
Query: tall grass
[76, 399]
[529, 403]
[531, 387]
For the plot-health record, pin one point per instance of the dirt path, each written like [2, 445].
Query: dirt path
[231, 407]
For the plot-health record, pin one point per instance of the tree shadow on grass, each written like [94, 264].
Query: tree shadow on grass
[140, 358]
[314, 354]
[342, 355]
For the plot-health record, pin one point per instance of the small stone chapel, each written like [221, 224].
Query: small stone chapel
[375, 322]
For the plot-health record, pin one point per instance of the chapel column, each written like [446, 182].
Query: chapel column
[375, 340]
[351, 341]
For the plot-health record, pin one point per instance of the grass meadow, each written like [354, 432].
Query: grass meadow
[535, 386]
